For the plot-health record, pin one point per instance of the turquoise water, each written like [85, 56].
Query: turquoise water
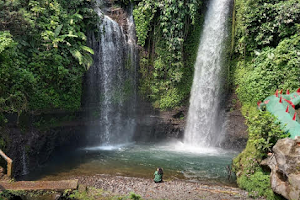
[141, 160]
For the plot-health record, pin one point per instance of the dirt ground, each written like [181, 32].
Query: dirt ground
[173, 190]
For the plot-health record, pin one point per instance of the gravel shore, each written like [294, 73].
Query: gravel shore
[173, 190]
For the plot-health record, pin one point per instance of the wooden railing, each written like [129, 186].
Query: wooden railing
[9, 162]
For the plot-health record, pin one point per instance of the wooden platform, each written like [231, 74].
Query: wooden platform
[40, 185]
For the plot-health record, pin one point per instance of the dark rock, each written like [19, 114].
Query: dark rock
[153, 124]
[31, 147]
[285, 168]
[236, 130]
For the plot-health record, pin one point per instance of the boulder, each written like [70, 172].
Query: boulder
[285, 168]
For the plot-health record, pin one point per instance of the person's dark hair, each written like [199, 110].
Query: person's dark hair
[160, 171]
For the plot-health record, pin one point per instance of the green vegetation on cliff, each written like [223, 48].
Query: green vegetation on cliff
[263, 134]
[169, 31]
[265, 58]
[267, 47]
[43, 53]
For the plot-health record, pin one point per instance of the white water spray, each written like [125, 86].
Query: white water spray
[24, 163]
[202, 127]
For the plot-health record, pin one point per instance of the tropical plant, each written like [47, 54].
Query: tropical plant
[162, 28]
[43, 53]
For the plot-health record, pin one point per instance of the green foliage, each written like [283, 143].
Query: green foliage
[134, 196]
[265, 23]
[269, 70]
[263, 130]
[172, 18]
[143, 15]
[165, 27]
[263, 134]
[5, 40]
[80, 195]
[170, 99]
[93, 193]
[266, 58]
[258, 185]
[43, 53]
[17, 194]
[267, 48]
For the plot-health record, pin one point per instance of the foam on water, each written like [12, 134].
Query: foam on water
[108, 147]
[181, 147]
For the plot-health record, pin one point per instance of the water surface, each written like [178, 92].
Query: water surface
[140, 160]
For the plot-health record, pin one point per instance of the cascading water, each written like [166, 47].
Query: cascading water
[24, 163]
[133, 52]
[203, 122]
[111, 98]
[111, 81]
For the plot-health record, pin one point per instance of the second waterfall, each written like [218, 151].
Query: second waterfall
[204, 122]
[111, 81]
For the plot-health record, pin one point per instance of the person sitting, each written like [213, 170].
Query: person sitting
[158, 175]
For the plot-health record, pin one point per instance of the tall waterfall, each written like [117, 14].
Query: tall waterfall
[203, 122]
[111, 81]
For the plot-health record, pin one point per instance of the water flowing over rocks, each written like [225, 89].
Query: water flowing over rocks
[285, 168]
[205, 117]
[111, 82]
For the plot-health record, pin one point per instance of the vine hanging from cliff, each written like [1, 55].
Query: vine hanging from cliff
[162, 28]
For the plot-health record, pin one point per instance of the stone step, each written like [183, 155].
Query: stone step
[40, 185]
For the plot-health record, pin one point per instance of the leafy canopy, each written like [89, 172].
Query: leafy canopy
[43, 53]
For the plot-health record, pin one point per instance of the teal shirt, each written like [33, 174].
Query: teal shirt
[157, 177]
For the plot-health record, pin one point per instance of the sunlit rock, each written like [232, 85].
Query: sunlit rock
[285, 168]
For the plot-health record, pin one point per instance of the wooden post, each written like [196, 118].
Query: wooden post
[9, 163]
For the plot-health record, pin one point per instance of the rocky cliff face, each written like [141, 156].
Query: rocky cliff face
[153, 124]
[236, 130]
[285, 168]
[32, 142]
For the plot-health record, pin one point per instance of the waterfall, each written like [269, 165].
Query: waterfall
[24, 163]
[111, 81]
[203, 123]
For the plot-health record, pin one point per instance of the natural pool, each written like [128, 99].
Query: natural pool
[141, 160]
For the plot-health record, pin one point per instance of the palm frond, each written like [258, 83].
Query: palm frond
[87, 49]
[77, 55]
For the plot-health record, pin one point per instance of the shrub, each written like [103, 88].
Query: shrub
[263, 134]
